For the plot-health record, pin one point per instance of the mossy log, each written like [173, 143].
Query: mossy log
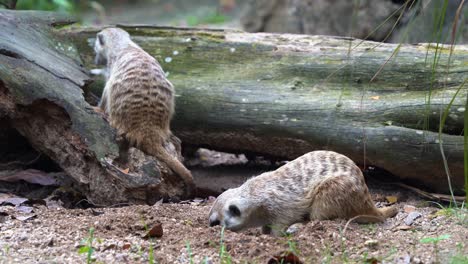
[41, 96]
[283, 95]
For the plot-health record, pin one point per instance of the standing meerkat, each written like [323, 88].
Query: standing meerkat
[137, 98]
[318, 185]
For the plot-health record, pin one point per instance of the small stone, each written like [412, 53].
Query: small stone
[50, 243]
[409, 208]
[293, 229]
[371, 243]
[416, 260]
[411, 217]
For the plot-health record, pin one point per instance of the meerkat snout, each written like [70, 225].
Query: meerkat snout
[228, 214]
[214, 222]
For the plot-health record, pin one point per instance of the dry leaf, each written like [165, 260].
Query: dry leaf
[375, 97]
[126, 170]
[372, 261]
[403, 228]
[24, 217]
[156, 231]
[391, 199]
[16, 201]
[111, 246]
[285, 258]
[24, 209]
[126, 246]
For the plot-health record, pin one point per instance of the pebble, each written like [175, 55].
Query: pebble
[293, 229]
[409, 208]
[411, 217]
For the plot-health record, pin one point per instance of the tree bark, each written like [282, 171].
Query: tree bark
[283, 95]
[41, 96]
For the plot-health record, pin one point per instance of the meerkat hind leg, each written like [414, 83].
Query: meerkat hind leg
[266, 229]
[124, 146]
[344, 197]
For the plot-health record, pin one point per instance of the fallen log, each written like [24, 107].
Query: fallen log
[41, 96]
[282, 95]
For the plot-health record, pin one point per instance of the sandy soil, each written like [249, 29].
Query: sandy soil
[55, 235]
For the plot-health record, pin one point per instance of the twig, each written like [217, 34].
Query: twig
[5, 166]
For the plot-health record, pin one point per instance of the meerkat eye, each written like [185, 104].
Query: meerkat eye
[234, 210]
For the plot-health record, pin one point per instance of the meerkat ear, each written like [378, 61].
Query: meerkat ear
[100, 37]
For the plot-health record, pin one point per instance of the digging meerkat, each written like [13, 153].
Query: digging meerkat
[137, 98]
[318, 185]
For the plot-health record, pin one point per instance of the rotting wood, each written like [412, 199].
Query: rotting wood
[41, 96]
[282, 95]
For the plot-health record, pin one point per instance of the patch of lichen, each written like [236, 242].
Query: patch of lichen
[162, 32]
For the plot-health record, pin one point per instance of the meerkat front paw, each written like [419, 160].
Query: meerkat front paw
[100, 112]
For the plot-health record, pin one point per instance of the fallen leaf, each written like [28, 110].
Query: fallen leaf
[156, 231]
[126, 246]
[285, 258]
[16, 201]
[375, 97]
[126, 170]
[111, 246]
[24, 217]
[391, 199]
[372, 261]
[4, 197]
[403, 227]
[24, 209]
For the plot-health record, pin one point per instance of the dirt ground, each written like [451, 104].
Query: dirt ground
[56, 235]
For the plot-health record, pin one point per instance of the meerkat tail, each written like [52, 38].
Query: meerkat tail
[176, 166]
[379, 215]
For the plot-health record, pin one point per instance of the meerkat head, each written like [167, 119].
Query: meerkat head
[231, 210]
[110, 40]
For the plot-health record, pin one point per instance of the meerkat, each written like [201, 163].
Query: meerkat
[137, 98]
[318, 185]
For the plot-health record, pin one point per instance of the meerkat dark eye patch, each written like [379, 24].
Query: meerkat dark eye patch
[101, 39]
[234, 210]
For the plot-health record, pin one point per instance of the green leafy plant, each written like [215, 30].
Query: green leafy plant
[459, 257]
[47, 5]
[434, 241]
[151, 245]
[189, 252]
[292, 245]
[214, 18]
[87, 246]
[224, 256]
